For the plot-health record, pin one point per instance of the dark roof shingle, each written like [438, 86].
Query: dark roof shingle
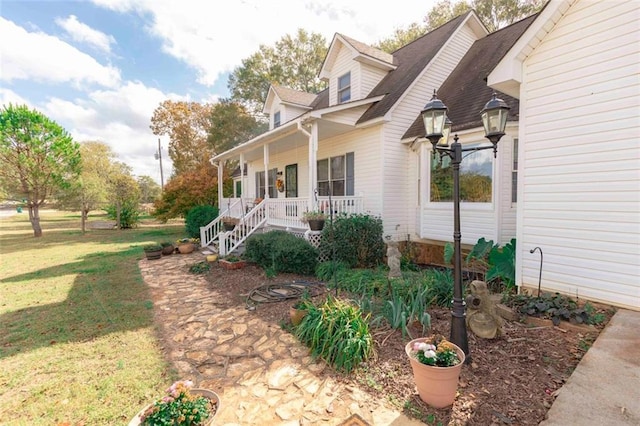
[465, 91]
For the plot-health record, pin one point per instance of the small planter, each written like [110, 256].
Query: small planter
[316, 224]
[211, 395]
[437, 386]
[168, 249]
[186, 248]
[297, 315]
[153, 252]
[232, 264]
[228, 226]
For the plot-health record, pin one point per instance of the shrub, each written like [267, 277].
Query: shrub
[197, 217]
[440, 287]
[129, 214]
[354, 239]
[337, 333]
[325, 271]
[280, 251]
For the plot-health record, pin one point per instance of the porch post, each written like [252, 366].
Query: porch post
[265, 155]
[313, 166]
[220, 195]
[241, 175]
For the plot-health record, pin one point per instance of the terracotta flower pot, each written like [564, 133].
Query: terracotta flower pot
[437, 386]
[238, 264]
[297, 315]
[186, 248]
[203, 392]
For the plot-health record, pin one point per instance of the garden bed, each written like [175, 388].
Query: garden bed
[510, 380]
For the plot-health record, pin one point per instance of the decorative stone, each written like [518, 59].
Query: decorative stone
[482, 317]
[393, 259]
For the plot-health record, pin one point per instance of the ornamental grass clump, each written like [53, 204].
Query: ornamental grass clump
[436, 351]
[337, 333]
[180, 407]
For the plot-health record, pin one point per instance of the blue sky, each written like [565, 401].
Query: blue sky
[100, 67]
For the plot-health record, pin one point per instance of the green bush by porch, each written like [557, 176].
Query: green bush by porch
[355, 239]
[281, 251]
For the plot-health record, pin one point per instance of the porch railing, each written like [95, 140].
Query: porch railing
[249, 223]
[209, 233]
[339, 205]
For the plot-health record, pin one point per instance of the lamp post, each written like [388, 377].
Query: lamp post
[438, 126]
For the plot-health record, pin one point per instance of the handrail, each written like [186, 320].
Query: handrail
[230, 240]
[209, 233]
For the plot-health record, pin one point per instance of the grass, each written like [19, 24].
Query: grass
[77, 340]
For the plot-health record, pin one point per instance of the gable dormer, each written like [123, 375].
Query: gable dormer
[353, 69]
[284, 104]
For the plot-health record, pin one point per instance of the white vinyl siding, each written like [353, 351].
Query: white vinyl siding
[399, 173]
[580, 155]
[287, 112]
[344, 64]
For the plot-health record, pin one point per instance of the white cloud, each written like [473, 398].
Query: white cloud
[120, 118]
[213, 39]
[43, 58]
[8, 96]
[83, 33]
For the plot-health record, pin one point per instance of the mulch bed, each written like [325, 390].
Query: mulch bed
[513, 379]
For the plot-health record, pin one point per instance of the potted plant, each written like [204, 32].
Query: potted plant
[153, 251]
[229, 223]
[232, 262]
[186, 245]
[300, 309]
[315, 219]
[436, 365]
[182, 405]
[167, 248]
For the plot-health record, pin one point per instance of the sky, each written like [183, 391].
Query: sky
[99, 68]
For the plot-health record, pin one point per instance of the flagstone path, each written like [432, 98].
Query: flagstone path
[263, 375]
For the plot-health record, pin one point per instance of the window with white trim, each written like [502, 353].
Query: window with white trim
[476, 177]
[260, 188]
[276, 119]
[344, 88]
[336, 174]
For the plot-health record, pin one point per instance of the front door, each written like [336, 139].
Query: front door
[291, 180]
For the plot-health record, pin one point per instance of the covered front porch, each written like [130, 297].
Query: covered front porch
[253, 214]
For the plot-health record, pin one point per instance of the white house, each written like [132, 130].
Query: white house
[576, 72]
[362, 141]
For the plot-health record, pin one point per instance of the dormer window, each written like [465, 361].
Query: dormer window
[276, 119]
[344, 88]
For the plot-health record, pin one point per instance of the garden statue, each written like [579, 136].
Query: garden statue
[482, 318]
[393, 259]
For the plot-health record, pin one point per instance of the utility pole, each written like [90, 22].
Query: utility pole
[159, 157]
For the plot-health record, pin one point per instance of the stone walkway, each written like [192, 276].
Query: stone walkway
[263, 375]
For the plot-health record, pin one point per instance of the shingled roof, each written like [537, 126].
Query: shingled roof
[411, 60]
[367, 50]
[465, 91]
[295, 97]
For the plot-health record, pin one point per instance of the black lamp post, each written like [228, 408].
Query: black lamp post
[438, 127]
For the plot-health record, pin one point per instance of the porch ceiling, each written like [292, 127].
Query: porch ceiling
[297, 140]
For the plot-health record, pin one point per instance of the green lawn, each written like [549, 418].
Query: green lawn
[77, 340]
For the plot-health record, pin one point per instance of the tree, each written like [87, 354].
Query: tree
[124, 196]
[184, 191]
[186, 124]
[149, 189]
[230, 125]
[402, 37]
[90, 191]
[292, 62]
[37, 157]
[495, 14]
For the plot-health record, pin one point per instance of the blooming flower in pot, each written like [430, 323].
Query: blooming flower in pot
[183, 405]
[436, 365]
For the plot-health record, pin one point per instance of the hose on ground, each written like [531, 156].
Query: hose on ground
[279, 292]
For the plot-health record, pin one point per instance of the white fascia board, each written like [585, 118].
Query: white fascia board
[507, 75]
[341, 107]
[365, 59]
[278, 132]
